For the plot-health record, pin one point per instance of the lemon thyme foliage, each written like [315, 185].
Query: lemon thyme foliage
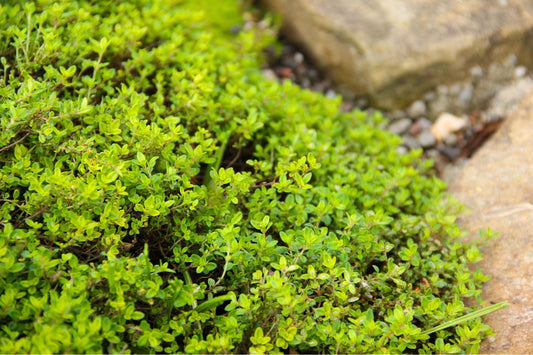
[159, 195]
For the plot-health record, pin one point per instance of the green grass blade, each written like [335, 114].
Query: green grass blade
[467, 317]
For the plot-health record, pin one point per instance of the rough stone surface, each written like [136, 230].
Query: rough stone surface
[497, 186]
[393, 51]
[508, 99]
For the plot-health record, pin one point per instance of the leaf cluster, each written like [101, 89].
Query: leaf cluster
[159, 195]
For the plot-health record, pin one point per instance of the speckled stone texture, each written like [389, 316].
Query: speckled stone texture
[497, 186]
[393, 51]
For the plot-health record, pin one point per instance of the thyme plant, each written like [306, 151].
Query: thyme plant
[159, 195]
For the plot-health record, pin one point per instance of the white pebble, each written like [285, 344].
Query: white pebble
[400, 126]
[269, 74]
[455, 89]
[520, 71]
[417, 109]
[298, 58]
[331, 93]
[430, 96]
[401, 150]
[466, 94]
[476, 71]
[442, 90]
[410, 142]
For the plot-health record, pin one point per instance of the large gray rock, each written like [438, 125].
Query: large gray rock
[393, 51]
[497, 186]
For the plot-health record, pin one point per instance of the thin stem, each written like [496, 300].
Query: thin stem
[228, 258]
[188, 281]
[16, 142]
[28, 33]
[218, 157]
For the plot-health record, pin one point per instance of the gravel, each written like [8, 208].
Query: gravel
[488, 94]
[508, 99]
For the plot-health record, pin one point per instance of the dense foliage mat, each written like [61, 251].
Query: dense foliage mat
[159, 195]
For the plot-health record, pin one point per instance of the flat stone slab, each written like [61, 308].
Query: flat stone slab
[393, 51]
[497, 186]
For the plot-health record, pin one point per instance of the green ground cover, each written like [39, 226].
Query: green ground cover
[159, 195]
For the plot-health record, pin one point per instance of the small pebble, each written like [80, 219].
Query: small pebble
[319, 87]
[298, 58]
[287, 50]
[451, 139]
[312, 74]
[347, 106]
[476, 71]
[417, 109]
[263, 24]
[306, 83]
[439, 105]
[269, 74]
[433, 154]
[430, 96]
[362, 103]
[399, 127]
[520, 71]
[426, 139]
[286, 72]
[235, 29]
[300, 70]
[455, 89]
[466, 94]
[288, 62]
[410, 142]
[451, 153]
[248, 26]
[396, 115]
[442, 90]
[330, 94]
[420, 124]
[402, 150]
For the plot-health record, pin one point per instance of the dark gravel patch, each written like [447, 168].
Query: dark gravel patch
[482, 101]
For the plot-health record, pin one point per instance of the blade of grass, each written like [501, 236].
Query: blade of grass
[467, 317]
